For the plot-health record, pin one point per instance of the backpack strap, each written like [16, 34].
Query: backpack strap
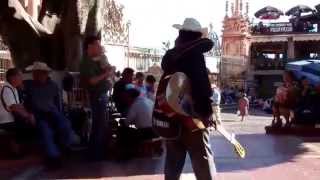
[2, 98]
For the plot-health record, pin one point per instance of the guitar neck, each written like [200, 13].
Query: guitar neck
[229, 136]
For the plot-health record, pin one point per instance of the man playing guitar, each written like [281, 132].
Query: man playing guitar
[187, 57]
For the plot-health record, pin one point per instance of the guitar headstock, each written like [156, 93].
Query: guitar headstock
[241, 151]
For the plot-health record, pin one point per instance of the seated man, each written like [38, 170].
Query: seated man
[139, 83]
[44, 99]
[140, 113]
[13, 116]
[137, 127]
[119, 91]
[285, 100]
[151, 87]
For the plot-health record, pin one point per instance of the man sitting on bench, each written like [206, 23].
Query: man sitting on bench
[119, 89]
[43, 97]
[137, 126]
[14, 118]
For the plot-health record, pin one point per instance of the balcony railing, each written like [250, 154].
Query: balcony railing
[267, 64]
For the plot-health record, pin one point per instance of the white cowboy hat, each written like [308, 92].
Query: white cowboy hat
[190, 24]
[41, 66]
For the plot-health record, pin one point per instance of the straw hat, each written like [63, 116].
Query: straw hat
[190, 24]
[40, 66]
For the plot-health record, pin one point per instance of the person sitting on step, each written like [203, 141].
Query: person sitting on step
[137, 127]
[14, 117]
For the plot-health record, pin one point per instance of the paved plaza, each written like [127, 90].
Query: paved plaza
[268, 157]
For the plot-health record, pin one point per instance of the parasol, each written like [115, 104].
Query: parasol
[297, 10]
[268, 12]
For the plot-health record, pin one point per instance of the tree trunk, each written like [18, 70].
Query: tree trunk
[62, 50]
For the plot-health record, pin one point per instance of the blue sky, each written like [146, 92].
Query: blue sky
[151, 20]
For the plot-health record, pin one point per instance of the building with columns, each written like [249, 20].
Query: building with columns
[254, 55]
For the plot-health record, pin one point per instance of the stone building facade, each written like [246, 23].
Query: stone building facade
[254, 56]
[235, 45]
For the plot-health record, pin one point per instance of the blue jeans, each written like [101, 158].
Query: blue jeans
[51, 125]
[197, 145]
[98, 135]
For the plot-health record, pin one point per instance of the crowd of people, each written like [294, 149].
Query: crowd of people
[231, 95]
[297, 100]
[36, 105]
[34, 109]
[30, 107]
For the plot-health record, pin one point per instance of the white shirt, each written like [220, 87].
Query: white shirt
[216, 97]
[140, 113]
[10, 97]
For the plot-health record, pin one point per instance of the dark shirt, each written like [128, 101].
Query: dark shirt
[189, 59]
[42, 97]
[119, 90]
[306, 100]
[90, 69]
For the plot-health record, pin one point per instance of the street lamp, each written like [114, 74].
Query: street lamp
[128, 45]
[216, 51]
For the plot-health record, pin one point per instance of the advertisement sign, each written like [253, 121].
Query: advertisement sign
[281, 27]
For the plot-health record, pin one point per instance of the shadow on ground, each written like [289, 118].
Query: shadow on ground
[262, 151]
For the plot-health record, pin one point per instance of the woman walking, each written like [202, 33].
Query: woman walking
[243, 106]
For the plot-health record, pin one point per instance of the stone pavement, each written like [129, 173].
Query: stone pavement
[268, 157]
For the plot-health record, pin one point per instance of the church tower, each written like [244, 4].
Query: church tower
[235, 44]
